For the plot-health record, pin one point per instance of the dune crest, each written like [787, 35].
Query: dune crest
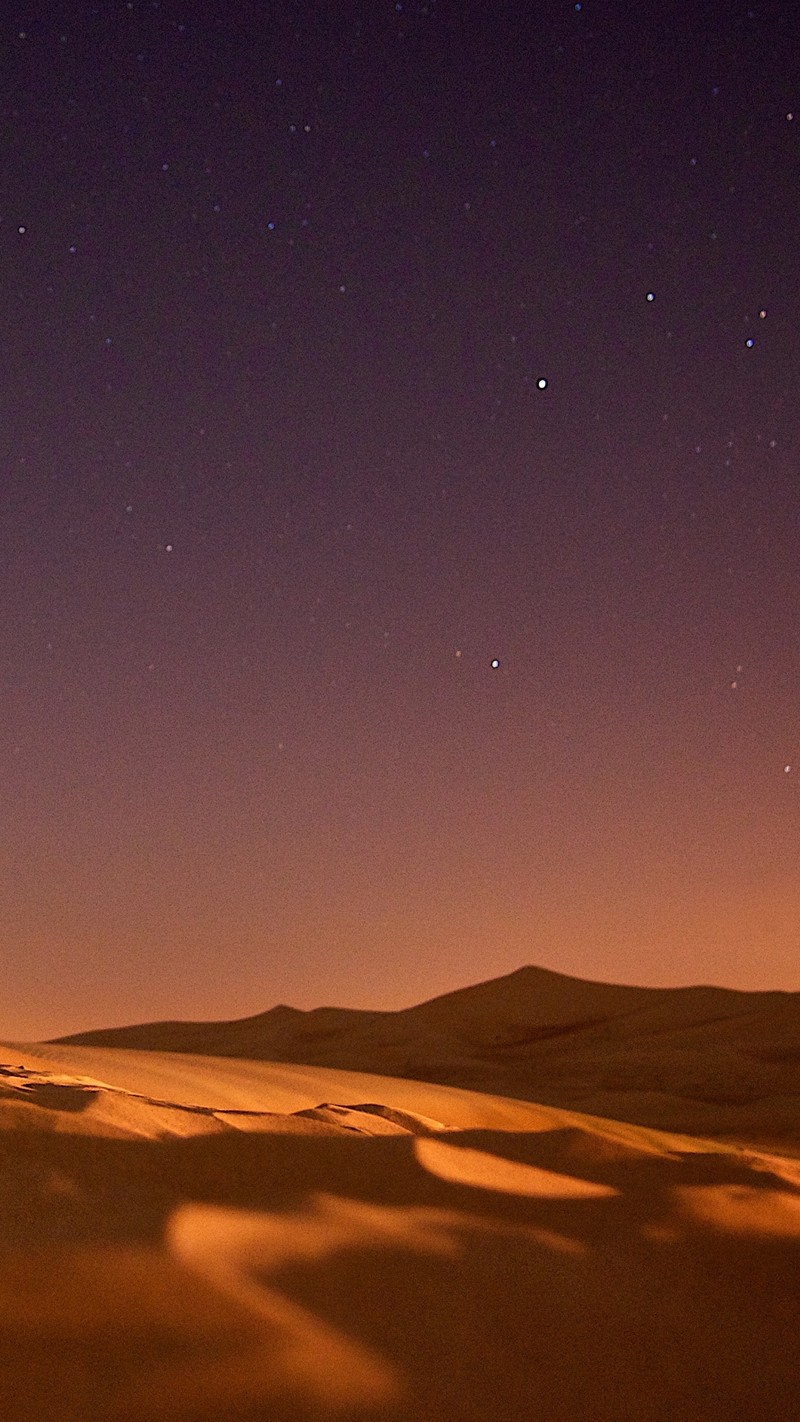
[375, 1119]
[695, 1059]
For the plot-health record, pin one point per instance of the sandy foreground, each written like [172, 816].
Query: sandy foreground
[190, 1237]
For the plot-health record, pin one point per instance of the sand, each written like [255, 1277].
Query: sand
[212, 1239]
[697, 1060]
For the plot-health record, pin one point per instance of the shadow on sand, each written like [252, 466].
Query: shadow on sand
[322, 1276]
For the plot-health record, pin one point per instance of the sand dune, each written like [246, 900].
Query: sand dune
[698, 1059]
[203, 1239]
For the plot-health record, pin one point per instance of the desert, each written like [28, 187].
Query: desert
[589, 1209]
[399, 750]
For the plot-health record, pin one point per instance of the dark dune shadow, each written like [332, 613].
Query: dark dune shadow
[635, 1330]
[561, 1309]
[56, 1096]
[38, 1089]
[125, 1189]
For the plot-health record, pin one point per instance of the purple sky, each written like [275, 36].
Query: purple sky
[331, 377]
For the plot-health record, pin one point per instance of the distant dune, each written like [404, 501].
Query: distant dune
[691, 1059]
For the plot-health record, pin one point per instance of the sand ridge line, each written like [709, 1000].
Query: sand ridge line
[36, 1083]
[65, 1092]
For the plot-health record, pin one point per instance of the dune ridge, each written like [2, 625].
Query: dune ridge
[607, 1228]
[685, 1059]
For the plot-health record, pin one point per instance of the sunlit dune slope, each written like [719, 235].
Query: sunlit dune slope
[695, 1059]
[239, 1091]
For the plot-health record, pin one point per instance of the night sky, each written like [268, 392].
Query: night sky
[399, 534]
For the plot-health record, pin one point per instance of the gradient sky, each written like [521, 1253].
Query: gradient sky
[347, 349]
